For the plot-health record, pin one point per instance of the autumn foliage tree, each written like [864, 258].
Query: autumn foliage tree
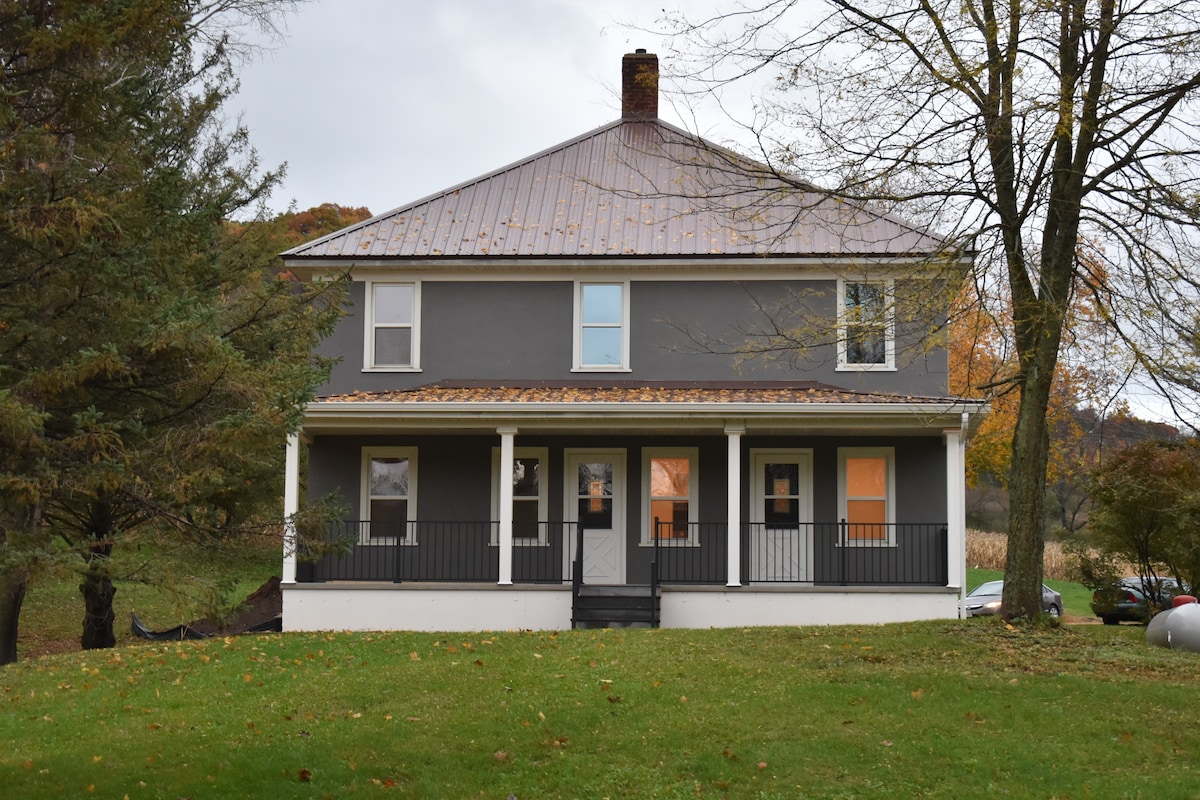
[982, 364]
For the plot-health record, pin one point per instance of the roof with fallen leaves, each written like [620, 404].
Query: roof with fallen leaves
[630, 392]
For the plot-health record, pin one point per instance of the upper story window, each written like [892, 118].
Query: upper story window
[389, 499]
[866, 480]
[393, 330]
[866, 325]
[601, 327]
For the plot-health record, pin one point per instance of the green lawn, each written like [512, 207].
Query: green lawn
[937, 710]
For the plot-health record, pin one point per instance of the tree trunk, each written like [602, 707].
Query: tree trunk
[12, 594]
[97, 587]
[1027, 492]
[98, 591]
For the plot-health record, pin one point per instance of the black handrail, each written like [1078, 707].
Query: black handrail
[832, 553]
[654, 575]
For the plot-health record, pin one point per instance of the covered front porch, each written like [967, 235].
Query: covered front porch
[725, 512]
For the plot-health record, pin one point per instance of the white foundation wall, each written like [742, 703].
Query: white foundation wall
[746, 607]
[419, 607]
[324, 607]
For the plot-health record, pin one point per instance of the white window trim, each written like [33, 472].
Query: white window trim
[889, 455]
[692, 454]
[369, 327]
[889, 293]
[369, 453]
[543, 456]
[577, 328]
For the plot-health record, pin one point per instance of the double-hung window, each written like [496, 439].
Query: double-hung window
[866, 485]
[389, 502]
[866, 325]
[393, 330]
[671, 484]
[602, 327]
[529, 494]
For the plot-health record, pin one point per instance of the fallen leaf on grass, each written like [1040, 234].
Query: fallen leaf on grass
[304, 775]
[500, 755]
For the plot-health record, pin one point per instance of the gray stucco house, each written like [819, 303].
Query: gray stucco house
[544, 415]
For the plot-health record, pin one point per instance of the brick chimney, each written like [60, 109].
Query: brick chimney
[639, 85]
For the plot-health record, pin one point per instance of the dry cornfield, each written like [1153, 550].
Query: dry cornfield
[988, 551]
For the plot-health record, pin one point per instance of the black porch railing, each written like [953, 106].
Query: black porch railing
[439, 551]
[837, 554]
[819, 553]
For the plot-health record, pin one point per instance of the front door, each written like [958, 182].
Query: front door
[781, 532]
[595, 500]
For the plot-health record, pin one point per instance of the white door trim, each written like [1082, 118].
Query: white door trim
[572, 457]
[767, 546]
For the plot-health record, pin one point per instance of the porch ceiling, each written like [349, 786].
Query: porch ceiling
[629, 407]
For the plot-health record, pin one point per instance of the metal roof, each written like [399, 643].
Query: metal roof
[628, 189]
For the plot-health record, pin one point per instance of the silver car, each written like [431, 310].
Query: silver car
[984, 599]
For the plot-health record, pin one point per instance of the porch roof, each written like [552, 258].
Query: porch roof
[611, 406]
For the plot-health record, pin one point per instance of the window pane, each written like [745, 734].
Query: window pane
[782, 479]
[779, 513]
[865, 345]
[393, 347]
[866, 298]
[601, 347]
[595, 513]
[601, 303]
[389, 518]
[595, 480]
[866, 477]
[670, 477]
[393, 304]
[525, 477]
[672, 517]
[525, 519]
[389, 477]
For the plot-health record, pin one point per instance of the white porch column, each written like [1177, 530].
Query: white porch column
[291, 505]
[956, 509]
[733, 434]
[506, 504]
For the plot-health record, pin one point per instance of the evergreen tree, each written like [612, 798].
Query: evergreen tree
[151, 361]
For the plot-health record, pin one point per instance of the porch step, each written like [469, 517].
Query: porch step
[614, 607]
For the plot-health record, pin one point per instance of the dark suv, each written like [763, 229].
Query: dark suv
[1130, 601]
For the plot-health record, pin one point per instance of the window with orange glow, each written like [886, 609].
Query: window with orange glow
[671, 482]
[866, 489]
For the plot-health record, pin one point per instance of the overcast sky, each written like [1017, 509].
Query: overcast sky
[381, 102]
